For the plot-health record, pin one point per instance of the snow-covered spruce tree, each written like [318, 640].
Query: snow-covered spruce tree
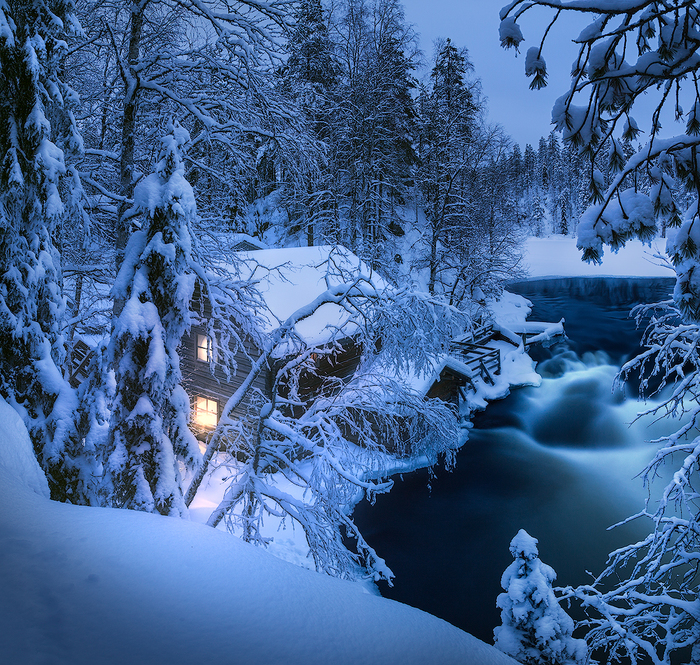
[469, 241]
[646, 604]
[311, 76]
[370, 145]
[448, 117]
[149, 426]
[535, 629]
[38, 141]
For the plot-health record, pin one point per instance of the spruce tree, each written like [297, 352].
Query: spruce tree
[311, 60]
[535, 629]
[148, 430]
[372, 152]
[312, 75]
[448, 113]
[38, 142]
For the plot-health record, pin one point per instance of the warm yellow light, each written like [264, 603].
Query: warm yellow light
[206, 412]
[203, 348]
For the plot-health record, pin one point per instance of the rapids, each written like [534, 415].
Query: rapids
[559, 461]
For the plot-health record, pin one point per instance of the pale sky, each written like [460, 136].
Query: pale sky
[525, 114]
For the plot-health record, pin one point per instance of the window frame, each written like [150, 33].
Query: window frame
[203, 343]
[206, 412]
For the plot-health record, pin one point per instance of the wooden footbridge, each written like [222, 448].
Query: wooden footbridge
[478, 356]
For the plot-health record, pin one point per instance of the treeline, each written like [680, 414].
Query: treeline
[318, 132]
[549, 185]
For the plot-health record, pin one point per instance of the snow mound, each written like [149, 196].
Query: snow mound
[94, 585]
[17, 462]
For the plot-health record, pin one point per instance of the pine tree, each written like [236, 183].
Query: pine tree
[148, 431]
[535, 629]
[312, 75]
[543, 164]
[448, 112]
[39, 143]
[515, 168]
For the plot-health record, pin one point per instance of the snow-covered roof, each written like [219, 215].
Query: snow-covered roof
[244, 242]
[291, 278]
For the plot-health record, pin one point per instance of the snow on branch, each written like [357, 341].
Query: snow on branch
[644, 606]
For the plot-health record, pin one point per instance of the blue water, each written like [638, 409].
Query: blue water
[558, 461]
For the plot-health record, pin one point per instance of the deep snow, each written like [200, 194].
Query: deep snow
[101, 586]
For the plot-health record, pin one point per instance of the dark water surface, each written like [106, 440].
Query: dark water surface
[558, 461]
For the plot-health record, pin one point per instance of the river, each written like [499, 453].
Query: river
[558, 461]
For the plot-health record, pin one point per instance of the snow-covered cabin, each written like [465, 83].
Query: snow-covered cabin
[287, 279]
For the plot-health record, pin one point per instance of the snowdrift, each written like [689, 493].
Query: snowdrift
[100, 586]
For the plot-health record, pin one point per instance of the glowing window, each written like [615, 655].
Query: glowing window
[203, 348]
[206, 412]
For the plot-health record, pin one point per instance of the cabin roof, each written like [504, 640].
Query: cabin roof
[244, 242]
[289, 279]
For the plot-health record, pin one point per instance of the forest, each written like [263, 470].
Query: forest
[143, 141]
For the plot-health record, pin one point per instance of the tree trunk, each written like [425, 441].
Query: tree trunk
[126, 166]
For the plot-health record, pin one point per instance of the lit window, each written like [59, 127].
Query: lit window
[203, 348]
[206, 413]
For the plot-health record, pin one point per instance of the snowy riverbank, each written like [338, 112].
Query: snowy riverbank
[91, 585]
[557, 256]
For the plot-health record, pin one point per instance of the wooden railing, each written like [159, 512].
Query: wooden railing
[480, 358]
[481, 332]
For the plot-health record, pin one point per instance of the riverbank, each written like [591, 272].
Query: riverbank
[558, 460]
[288, 542]
[558, 256]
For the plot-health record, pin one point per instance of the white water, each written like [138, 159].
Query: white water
[561, 461]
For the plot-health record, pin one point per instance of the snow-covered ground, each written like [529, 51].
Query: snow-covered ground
[100, 586]
[557, 256]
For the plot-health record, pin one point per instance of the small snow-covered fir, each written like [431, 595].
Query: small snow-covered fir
[535, 629]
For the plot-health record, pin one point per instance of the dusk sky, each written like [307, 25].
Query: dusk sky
[525, 114]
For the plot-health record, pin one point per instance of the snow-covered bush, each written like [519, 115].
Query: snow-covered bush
[535, 629]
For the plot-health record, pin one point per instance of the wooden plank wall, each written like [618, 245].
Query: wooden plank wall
[198, 379]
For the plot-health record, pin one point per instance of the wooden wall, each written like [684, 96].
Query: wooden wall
[199, 380]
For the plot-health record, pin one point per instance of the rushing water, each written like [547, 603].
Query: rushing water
[558, 461]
